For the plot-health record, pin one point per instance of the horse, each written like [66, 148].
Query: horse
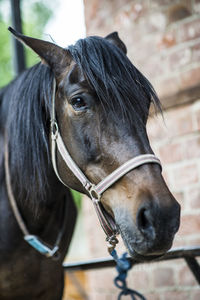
[101, 104]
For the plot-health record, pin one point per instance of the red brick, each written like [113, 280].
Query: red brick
[127, 16]
[102, 280]
[99, 296]
[167, 86]
[193, 198]
[192, 148]
[180, 59]
[109, 296]
[190, 78]
[179, 121]
[154, 67]
[188, 31]
[139, 56]
[111, 7]
[91, 10]
[171, 153]
[135, 282]
[190, 224]
[177, 295]
[196, 53]
[156, 129]
[196, 295]
[186, 277]
[136, 10]
[156, 21]
[153, 296]
[185, 175]
[195, 242]
[163, 277]
[167, 40]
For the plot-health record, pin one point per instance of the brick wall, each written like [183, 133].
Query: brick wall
[163, 41]
[162, 37]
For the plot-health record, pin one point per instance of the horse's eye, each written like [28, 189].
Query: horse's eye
[78, 103]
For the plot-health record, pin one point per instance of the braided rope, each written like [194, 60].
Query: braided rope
[123, 265]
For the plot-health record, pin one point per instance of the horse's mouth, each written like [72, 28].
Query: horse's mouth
[143, 258]
[141, 248]
[132, 252]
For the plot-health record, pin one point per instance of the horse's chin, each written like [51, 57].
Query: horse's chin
[142, 257]
[142, 249]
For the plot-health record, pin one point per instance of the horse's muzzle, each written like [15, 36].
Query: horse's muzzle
[151, 234]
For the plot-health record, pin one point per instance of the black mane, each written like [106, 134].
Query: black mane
[25, 115]
[119, 85]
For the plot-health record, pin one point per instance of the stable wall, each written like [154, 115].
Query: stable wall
[163, 41]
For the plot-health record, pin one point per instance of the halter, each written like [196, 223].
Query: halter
[95, 191]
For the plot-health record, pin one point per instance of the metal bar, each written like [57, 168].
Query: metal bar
[176, 253]
[98, 263]
[194, 267]
[18, 49]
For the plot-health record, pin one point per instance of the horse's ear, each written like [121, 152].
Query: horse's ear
[114, 39]
[54, 56]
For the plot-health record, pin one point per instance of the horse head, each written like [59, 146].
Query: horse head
[101, 104]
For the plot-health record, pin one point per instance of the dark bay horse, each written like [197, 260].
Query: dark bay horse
[101, 107]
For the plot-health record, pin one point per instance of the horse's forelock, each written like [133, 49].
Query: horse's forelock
[119, 85]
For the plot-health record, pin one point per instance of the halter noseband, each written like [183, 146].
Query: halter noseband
[95, 191]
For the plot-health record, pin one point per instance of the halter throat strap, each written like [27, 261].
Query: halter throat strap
[95, 191]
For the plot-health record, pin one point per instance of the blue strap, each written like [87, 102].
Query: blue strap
[35, 242]
[123, 265]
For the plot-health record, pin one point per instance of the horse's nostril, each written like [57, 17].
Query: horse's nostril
[145, 222]
[142, 219]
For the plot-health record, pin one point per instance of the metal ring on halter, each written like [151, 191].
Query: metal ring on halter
[112, 241]
[54, 129]
[95, 196]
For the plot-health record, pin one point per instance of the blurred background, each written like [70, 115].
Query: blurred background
[163, 41]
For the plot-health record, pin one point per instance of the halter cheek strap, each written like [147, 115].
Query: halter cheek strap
[95, 191]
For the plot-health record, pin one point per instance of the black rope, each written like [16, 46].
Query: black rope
[123, 265]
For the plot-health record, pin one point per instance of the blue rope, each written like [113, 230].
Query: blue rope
[123, 265]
